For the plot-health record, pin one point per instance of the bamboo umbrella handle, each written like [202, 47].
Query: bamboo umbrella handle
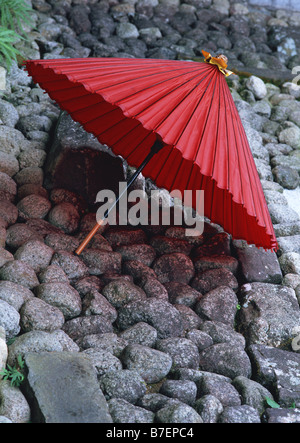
[88, 238]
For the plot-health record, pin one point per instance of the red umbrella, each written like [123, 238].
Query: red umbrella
[186, 111]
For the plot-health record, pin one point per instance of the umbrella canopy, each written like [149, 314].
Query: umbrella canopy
[128, 103]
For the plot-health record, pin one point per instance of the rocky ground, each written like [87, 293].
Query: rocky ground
[148, 325]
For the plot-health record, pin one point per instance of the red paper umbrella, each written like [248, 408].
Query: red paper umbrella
[183, 107]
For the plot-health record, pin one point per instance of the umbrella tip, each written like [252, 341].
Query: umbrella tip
[221, 61]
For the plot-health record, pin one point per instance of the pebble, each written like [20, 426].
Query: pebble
[62, 296]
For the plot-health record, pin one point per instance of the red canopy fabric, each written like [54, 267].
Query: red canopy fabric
[126, 102]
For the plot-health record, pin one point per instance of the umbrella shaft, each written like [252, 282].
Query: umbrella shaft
[157, 146]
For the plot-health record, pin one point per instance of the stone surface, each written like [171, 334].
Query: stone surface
[71, 399]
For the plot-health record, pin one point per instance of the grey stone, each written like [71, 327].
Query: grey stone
[257, 265]
[219, 304]
[38, 315]
[72, 265]
[277, 369]
[108, 341]
[121, 292]
[153, 288]
[269, 314]
[39, 342]
[141, 334]
[222, 333]
[178, 413]
[13, 404]
[35, 253]
[282, 214]
[153, 401]
[225, 360]
[220, 387]
[53, 274]
[289, 244]
[5, 257]
[182, 390]
[124, 412]
[19, 272]
[213, 278]
[14, 294]
[8, 164]
[142, 252]
[183, 351]
[181, 293]
[33, 206]
[62, 296]
[167, 245]
[126, 384]
[257, 86]
[190, 320]
[8, 212]
[283, 415]
[12, 141]
[151, 364]
[65, 216]
[290, 262]
[174, 267]
[209, 408]
[99, 262]
[32, 175]
[239, 414]
[252, 393]
[103, 361]
[95, 303]
[200, 338]
[18, 234]
[287, 177]
[8, 187]
[9, 319]
[78, 327]
[138, 271]
[290, 136]
[70, 399]
[127, 30]
[215, 262]
[157, 313]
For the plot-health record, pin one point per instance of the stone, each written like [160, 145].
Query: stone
[282, 415]
[168, 245]
[108, 341]
[257, 265]
[78, 327]
[269, 313]
[33, 206]
[200, 338]
[282, 214]
[8, 212]
[219, 304]
[9, 319]
[290, 136]
[209, 408]
[239, 414]
[19, 272]
[5, 257]
[78, 162]
[103, 361]
[99, 262]
[61, 296]
[71, 399]
[289, 244]
[183, 351]
[35, 253]
[222, 333]
[13, 404]
[213, 278]
[157, 313]
[182, 390]
[53, 274]
[257, 86]
[72, 265]
[121, 237]
[174, 267]
[178, 413]
[12, 141]
[124, 412]
[182, 293]
[121, 292]
[220, 387]
[138, 271]
[8, 164]
[278, 371]
[140, 334]
[36, 314]
[153, 365]
[252, 393]
[64, 216]
[38, 342]
[3, 349]
[290, 262]
[141, 252]
[95, 303]
[153, 288]
[225, 360]
[126, 384]
[8, 186]
[287, 177]
[215, 262]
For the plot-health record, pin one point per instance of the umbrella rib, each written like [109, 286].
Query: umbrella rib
[179, 103]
